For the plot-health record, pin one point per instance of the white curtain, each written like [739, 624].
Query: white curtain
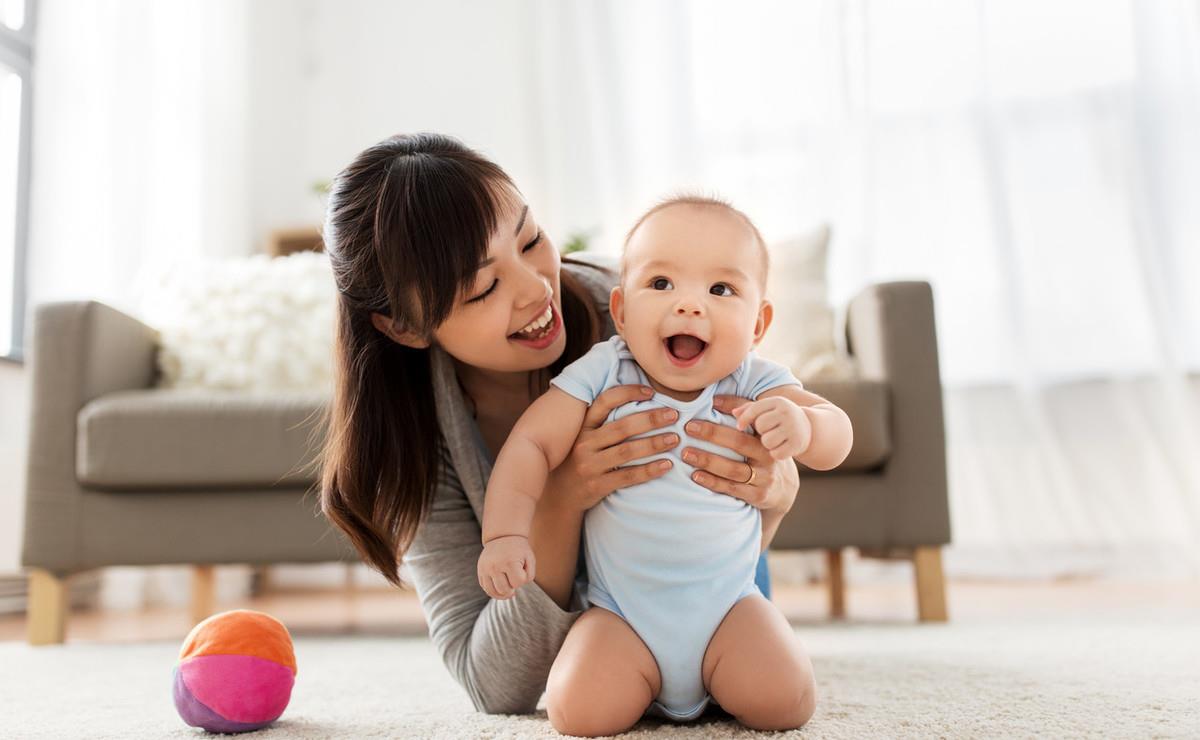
[139, 142]
[1036, 161]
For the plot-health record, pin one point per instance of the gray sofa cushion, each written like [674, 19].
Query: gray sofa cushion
[183, 438]
[176, 439]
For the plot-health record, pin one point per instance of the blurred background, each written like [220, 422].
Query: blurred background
[1037, 163]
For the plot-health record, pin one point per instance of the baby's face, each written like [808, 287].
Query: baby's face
[691, 304]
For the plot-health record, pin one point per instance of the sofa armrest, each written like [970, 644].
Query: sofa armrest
[80, 350]
[890, 330]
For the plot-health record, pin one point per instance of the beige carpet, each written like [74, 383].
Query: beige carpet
[1106, 677]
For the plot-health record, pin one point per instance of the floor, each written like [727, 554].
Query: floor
[1074, 658]
[384, 612]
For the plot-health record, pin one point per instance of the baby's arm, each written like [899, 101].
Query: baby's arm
[538, 443]
[793, 422]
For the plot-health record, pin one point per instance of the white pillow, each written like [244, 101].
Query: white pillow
[244, 323]
[801, 334]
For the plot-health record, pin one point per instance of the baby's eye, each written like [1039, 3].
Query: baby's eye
[717, 289]
[661, 284]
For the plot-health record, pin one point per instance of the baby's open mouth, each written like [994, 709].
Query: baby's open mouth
[684, 348]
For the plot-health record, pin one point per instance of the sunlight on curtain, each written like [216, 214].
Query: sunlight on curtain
[10, 150]
[139, 135]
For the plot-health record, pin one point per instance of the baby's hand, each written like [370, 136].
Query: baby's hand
[505, 565]
[782, 426]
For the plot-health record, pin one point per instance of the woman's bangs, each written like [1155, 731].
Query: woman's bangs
[450, 210]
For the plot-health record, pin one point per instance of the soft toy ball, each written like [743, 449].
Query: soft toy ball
[235, 672]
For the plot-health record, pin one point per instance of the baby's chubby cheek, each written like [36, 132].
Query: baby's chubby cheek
[723, 358]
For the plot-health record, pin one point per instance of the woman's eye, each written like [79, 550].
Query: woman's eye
[719, 288]
[536, 241]
[661, 284]
[485, 293]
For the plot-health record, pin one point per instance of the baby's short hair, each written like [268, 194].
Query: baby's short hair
[700, 200]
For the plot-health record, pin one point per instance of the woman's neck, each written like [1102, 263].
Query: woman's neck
[491, 390]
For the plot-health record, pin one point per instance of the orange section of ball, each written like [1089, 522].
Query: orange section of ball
[241, 632]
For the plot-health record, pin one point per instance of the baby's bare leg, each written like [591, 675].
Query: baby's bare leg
[757, 670]
[603, 679]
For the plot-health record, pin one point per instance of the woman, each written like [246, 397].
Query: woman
[442, 270]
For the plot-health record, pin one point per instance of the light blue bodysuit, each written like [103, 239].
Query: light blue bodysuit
[668, 555]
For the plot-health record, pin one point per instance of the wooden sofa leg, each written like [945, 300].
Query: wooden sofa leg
[203, 593]
[931, 589]
[837, 586]
[260, 580]
[47, 612]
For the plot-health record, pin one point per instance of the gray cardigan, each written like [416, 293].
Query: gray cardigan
[500, 651]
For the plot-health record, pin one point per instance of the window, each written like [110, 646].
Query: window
[16, 46]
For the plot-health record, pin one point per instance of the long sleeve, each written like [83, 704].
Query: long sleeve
[500, 651]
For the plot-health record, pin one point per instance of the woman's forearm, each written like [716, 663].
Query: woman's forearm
[770, 525]
[555, 542]
[787, 479]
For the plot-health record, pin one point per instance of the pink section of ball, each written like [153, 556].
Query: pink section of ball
[242, 688]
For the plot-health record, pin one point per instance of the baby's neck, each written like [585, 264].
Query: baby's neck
[673, 393]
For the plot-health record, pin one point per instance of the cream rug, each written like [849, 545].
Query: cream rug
[1107, 677]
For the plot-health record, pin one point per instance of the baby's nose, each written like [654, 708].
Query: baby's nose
[688, 308]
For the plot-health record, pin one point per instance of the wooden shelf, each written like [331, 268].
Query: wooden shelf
[282, 242]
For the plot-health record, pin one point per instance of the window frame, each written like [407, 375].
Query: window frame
[16, 53]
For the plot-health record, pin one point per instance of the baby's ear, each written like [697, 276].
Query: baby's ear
[766, 312]
[616, 307]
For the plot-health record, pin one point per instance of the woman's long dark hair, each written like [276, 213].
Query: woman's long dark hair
[407, 224]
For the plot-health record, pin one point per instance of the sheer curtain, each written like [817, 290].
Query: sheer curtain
[1035, 161]
[139, 143]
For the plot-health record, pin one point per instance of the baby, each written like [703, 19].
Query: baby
[668, 556]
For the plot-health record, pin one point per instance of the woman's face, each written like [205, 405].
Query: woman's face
[510, 318]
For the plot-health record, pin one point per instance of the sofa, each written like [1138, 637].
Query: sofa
[121, 472]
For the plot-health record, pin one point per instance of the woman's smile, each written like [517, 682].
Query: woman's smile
[542, 331]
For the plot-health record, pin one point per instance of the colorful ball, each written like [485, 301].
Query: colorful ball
[235, 672]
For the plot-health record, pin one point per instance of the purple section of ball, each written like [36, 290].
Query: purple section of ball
[197, 715]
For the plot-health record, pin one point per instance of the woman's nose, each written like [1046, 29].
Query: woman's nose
[534, 288]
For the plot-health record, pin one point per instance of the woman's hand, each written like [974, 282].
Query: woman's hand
[761, 481]
[591, 470]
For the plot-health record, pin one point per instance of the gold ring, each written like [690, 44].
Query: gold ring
[750, 481]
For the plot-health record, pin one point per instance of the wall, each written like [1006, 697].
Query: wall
[328, 80]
